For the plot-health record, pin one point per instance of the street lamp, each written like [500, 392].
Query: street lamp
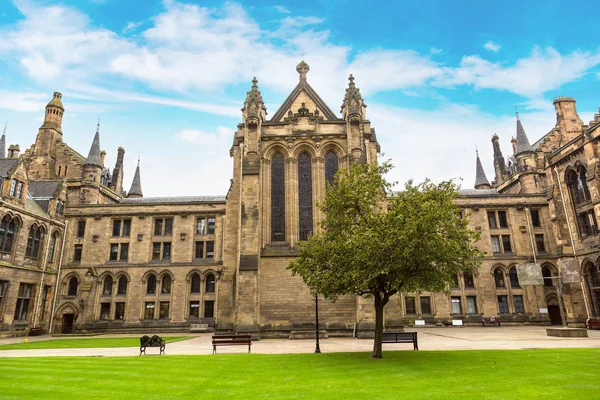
[317, 348]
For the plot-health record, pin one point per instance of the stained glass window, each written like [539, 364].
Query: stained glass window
[305, 213]
[331, 167]
[278, 198]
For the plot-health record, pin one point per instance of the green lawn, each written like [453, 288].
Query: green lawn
[91, 343]
[525, 374]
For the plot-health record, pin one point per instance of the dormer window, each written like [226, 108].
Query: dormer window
[16, 188]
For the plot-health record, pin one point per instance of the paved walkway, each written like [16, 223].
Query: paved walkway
[470, 338]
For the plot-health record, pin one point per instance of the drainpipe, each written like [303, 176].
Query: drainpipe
[533, 250]
[41, 285]
[57, 284]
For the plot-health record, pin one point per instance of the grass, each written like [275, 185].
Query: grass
[520, 374]
[92, 343]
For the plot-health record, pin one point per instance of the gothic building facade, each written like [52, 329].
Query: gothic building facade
[79, 253]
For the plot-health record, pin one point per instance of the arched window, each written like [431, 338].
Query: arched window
[8, 230]
[514, 278]
[33, 242]
[331, 167]
[593, 284]
[547, 274]
[210, 283]
[594, 274]
[455, 281]
[195, 286]
[278, 198]
[122, 285]
[72, 288]
[165, 287]
[151, 285]
[582, 184]
[499, 278]
[577, 184]
[108, 284]
[468, 278]
[305, 212]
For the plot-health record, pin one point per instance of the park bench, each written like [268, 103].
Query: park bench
[401, 337]
[592, 323]
[154, 341]
[36, 331]
[231, 340]
[195, 328]
[490, 321]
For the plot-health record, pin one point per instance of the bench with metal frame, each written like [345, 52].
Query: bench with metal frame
[490, 321]
[401, 337]
[231, 340]
[154, 341]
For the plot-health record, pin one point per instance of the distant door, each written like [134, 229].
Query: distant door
[67, 323]
[554, 314]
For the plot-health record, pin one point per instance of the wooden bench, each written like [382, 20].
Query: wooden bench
[154, 341]
[490, 321]
[231, 340]
[592, 323]
[195, 328]
[36, 331]
[401, 337]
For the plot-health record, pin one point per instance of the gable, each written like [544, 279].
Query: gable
[303, 93]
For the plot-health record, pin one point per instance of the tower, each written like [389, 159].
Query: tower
[526, 164]
[116, 183]
[91, 173]
[50, 131]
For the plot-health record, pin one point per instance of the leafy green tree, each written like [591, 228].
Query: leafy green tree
[379, 245]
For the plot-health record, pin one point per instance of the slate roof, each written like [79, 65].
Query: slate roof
[477, 192]
[93, 157]
[136, 184]
[7, 164]
[523, 144]
[480, 178]
[34, 208]
[176, 199]
[43, 189]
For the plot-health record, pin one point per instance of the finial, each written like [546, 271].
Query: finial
[138, 161]
[98, 126]
[302, 69]
[517, 112]
[351, 79]
[5, 125]
[254, 82]
[476, 151]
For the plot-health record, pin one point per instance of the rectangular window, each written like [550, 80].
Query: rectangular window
[60, 207]
[471, 305]
[45, 295]
[535, 218]
[199, 249]
[166, 251]
[506, 244]
[80, 228]
[77, 253]
[114, 252]
[210, 249]
[496, 244]
[119, 251]
[104, 311]
[149, 310]
[156, 251]
[116, 227]
[200, 226]
[163, 227]
[52, 249]
[209, 309]
[121, 227]
[13, 187]
[161, 251]
[164, 310]
[194, 309]
[23, 300]
[119, 311]
[19, 190]
[455, 283]
[3, 290]
[502, 220]
[492, 219]
[456, 307]
[158, 227]
[211, 226]
[539, 243]
[425, 305]
[502, 305]
[518, 300]
[124, 252]
[587, 223]
[410, 305]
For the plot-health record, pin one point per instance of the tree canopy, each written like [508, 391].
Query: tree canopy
[372, 242]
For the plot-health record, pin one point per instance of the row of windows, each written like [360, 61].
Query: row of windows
[160, 251]
[502, 243]
[9, 230]
[162, 227]
[164, 309]
[457, 305]
[24, 296]
[498, 219]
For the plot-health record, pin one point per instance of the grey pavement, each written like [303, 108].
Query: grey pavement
[467, 338]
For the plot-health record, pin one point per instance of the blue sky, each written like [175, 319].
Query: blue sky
[168, 78]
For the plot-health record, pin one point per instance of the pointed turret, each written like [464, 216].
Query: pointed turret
[254, 109]
[3, 143]
[136, 185]
[481, 181]
[523, 144]
[94, 157]
[353, 107]
[91, 173]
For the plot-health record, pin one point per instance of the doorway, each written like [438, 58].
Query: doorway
[554, 314]
[67, 323]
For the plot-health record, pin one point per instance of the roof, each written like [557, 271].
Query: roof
[177, 199]
[6, 165]
[136, 184]
[477, 192]
[480, 178]
[43, 189]
[523, 144]
[34, 208]
[56, 101]
[93, 157]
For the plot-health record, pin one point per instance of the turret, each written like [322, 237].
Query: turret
[3, 143]
[254, 110]
[354, 112]
[136, 185]
[526, 165]
[49, 133]
[499, 163]
[116, 183]
[481, 181]
[54, 113]
[91, 172]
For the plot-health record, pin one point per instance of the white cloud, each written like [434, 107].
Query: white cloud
[491, 46]
[282, 9]
[131, 26]
[19, 101]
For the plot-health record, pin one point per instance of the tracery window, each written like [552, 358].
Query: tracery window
[8, 230]
[577, 184]
[108, 285]
[499, 278]
[278, 198]
[331, 167]
[305, 212]
[33, 242]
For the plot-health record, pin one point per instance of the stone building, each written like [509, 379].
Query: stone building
[137, 264]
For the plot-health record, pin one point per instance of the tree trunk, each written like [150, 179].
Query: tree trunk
[379, 304]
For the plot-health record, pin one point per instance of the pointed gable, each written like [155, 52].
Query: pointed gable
[303, 95]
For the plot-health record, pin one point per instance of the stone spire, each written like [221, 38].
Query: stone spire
[93, 157]
[353, 106]
[523, 144]
[481, 181]
[3, 143]
[254, 104]
[136, 186]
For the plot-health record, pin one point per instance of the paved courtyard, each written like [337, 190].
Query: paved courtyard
[469, 338]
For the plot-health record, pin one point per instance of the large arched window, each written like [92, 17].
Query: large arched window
[195, 284]
[210, 283]
[514, 278]
[547, 274]
[165, 287]
[72, 287]
[151, 284]
[8, 230]
[577, 184]
[593, 284]
[108, 286]
[331, 167]
[122, 285]
[33, 242]
[305, 212]
[499, 278]
[278, 198]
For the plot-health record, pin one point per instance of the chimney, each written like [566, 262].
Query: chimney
[13, 151]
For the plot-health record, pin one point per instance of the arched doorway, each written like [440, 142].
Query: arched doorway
[554, 310]
[67, 323]
[65, 318]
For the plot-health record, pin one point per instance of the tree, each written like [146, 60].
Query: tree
[379, 245]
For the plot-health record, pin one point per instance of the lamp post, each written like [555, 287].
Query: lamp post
[317, 348]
